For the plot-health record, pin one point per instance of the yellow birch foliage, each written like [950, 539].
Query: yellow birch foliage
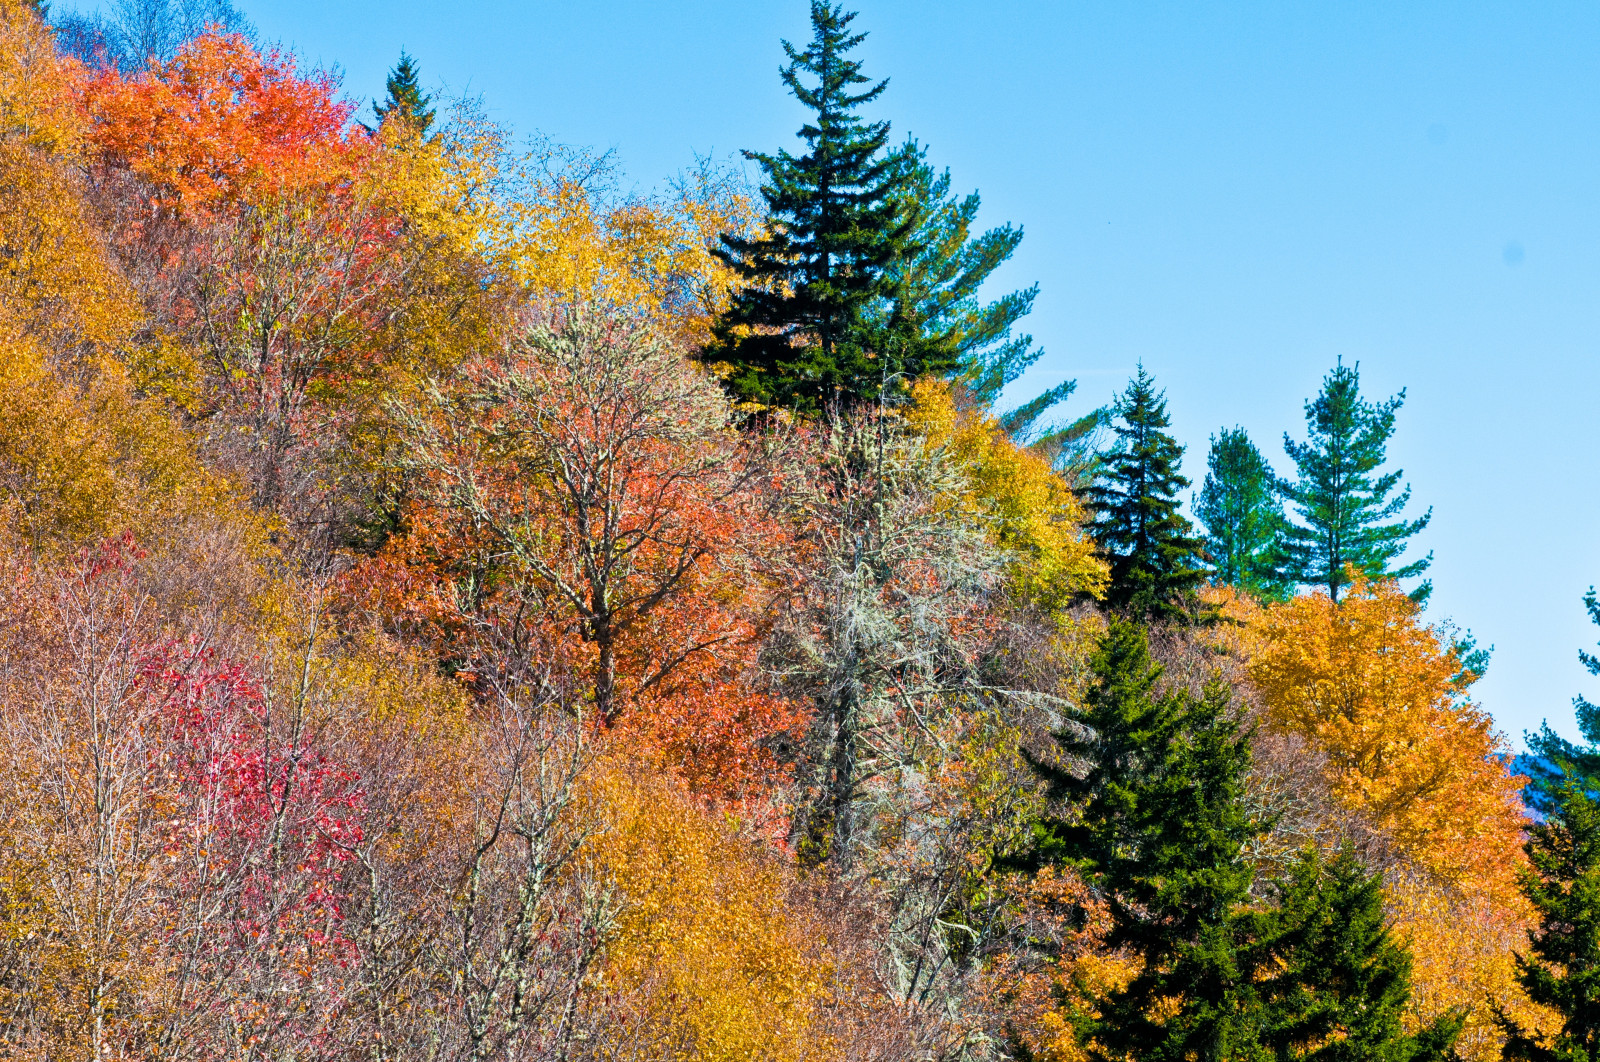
[81, 457]
[1032, 509]
[1464, 958]
[37, 104]
[646, 256]
[1376, 692]
[708, 961]
[56, 283]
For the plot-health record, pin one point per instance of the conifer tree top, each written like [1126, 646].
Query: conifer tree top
[1139, 522]
[813, 326]
[405, 98]
[1346, 506]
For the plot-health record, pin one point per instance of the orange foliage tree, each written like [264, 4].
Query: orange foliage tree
[265, 233]
[581, 499]
[222, 124]
[1384, 699]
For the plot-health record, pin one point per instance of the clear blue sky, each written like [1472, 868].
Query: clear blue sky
[1236, 194]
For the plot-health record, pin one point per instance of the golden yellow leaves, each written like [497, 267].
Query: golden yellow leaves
[710, 960]
[1375, 694]
[37, 100]
[1032, 510]
[1374, 689]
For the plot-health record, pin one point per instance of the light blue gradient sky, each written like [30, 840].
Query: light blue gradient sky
[1234, 193]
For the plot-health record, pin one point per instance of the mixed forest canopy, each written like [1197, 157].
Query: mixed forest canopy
[453, 610]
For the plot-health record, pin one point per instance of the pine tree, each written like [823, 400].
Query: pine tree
[405, 100]
[1562, 969]
[1242, 514]
[1138, 522]
[1158, 829]
[937, 302]
[816, 323]
[1340, 502]
[1328, 982]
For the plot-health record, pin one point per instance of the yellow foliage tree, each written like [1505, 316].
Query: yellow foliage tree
[1031, 509]
[81, 456]
[709, 960]
[1377, 693]
[1464, 952]
[1381, 701]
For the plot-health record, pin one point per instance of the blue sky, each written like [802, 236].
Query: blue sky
[1235, 194]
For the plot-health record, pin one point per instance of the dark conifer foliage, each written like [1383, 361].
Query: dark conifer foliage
[405, 99]
[1329, 983]
[1159, 830]
[1138, 521]
[1341, 499]
[822, 320]
[937, 295]
[1562, 967]
[1242, 515]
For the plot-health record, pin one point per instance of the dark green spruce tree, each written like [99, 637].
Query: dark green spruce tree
[1153, 790]
[1345, 507]
[1158, 828]
[812, 327]
[1138, 521]
[1562, 967]
[1327, 982]
[1242, 514]
[404, 99]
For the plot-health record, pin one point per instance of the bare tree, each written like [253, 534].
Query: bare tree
[131, 32]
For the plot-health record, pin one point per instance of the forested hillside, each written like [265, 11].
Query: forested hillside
[453, 609]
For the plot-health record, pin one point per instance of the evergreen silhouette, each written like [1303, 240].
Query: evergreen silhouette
[405, 99]
[1157, 826]
[937, 308]
[1138, 521]
[1562, 967]
[1340, 498]
[1158, 829]
[1326, 979]
[822, 319]
[1242, 515]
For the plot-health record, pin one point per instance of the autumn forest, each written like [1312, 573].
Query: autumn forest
[455, 609]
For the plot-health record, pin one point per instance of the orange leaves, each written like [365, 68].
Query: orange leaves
[223, 123]
[581, 510]
[1375, 691]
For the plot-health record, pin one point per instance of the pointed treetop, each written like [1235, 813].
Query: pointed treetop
[1242, 514]
[405, 100]
[1139, 523]
[1346, 506]
[811, 326]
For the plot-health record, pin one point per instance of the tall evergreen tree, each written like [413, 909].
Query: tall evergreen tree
[1158, 828]
[404, 99]
[937, 303]
[1138, 521]
[1327, 980]
[814, 324]
[1341, 500]
[1561, 971]
[1240, 509]
[1156, 823]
